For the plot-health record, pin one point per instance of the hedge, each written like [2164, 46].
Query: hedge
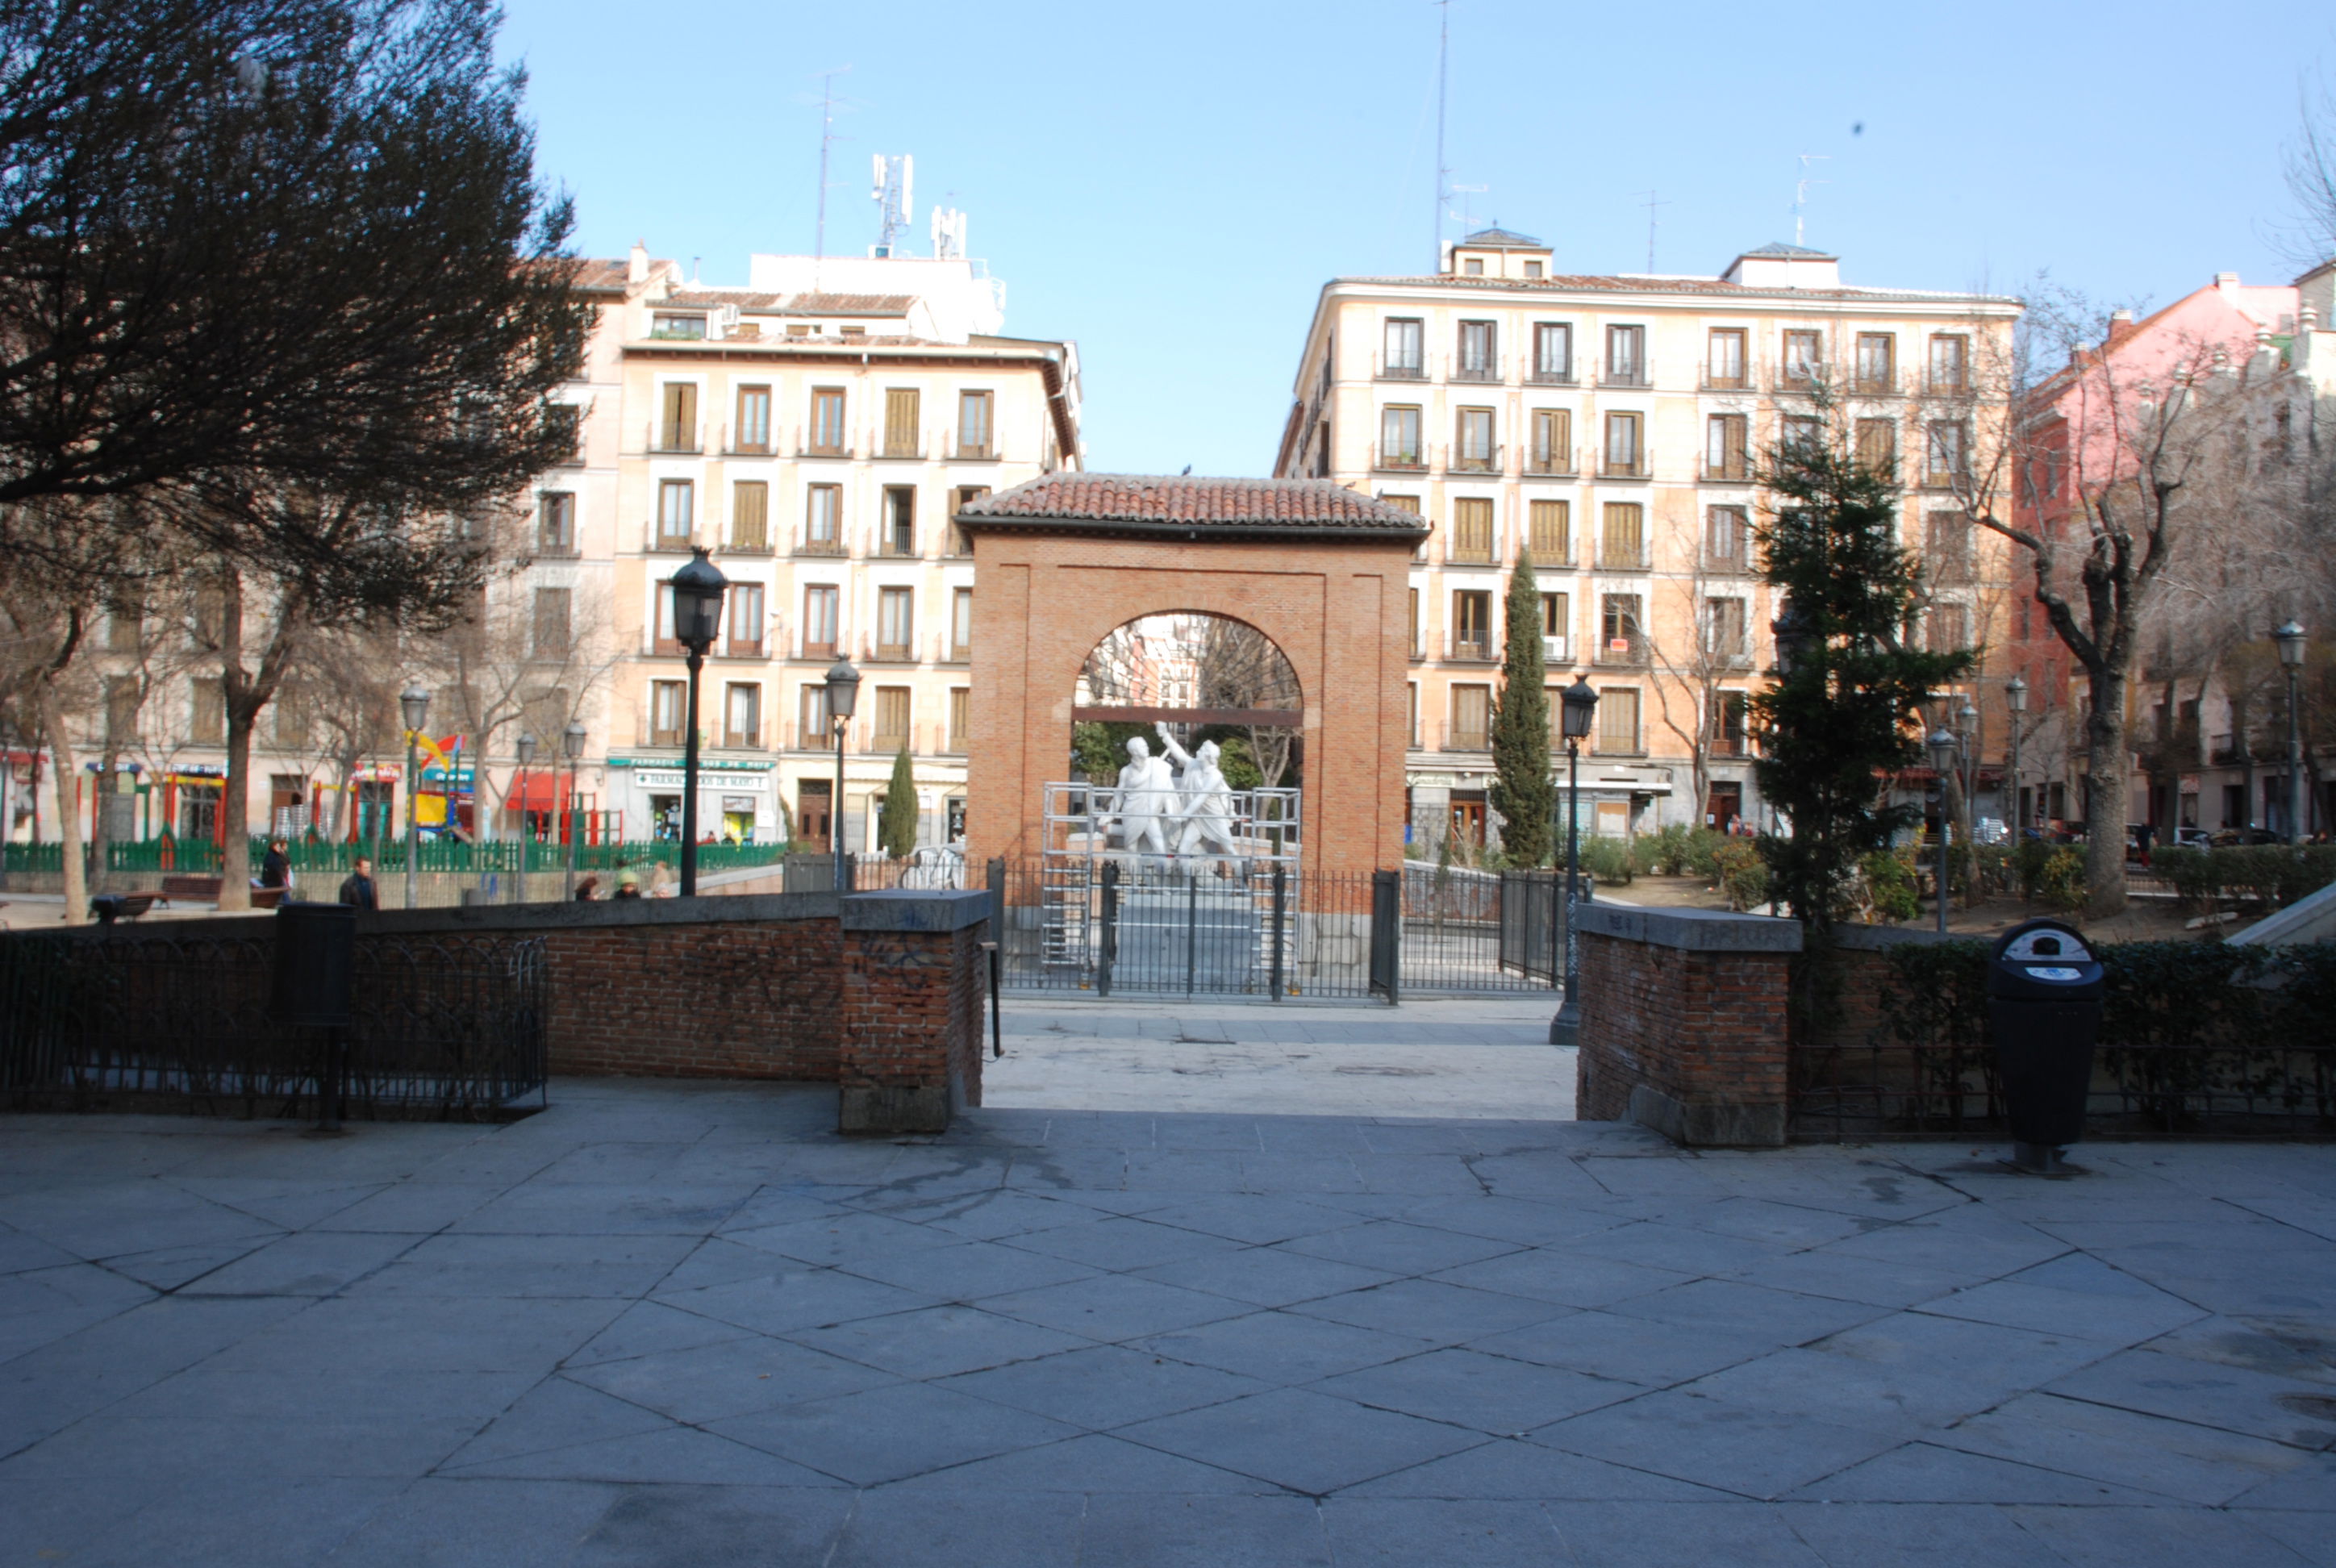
[2266, 876]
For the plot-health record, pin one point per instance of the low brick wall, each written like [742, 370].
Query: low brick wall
[1859, 962]
[911, 1009]
[1683, 1022]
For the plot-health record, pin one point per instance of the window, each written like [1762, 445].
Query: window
[1803, 434]
[1731, 724]
[1471, 718]
[896, 623]
[1947, 546]
[555, 526]
[1727, 533]
[1552, 539]
[892, 719]
[1402, 352]
[1553, 441]
[1622, 536]
[1473, 450]
[1724, 623]
[1949, 452]
[827, 421]
[1617, 624]
[1472, 530]
[689, 327]
[750, 515]
[1409, 503]
[960, 723]
[1625, 356]
[1472, 624]
[1877, 447]
[1624, 458]
[1533, 270]
[1480, 357]
[1617, 719]
[959, 541]
[1727, 447]
[121, 699]
[852, 332]
[961, 623]
[1399, 437]
[824, 520]
[1947, 628]
[1723, 364]
[677, 430]
[747, 619]
[1803, 358]
[2022, 630]
[677, 513]
[1552, 351]
[568, 420]
[754, 432]
[901, 436]
[1950, 363]
[741, 715]
[819, 617]
[553, 608]
[1416, 651]
[126, 626]
[1877, 362]
[1556, 623]
[817, 728]
[973, 424]
[899, 536]
[1473, 267]
[1411, 732]
[669, 711]
[666, 643]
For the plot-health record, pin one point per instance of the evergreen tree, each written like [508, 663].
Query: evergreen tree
[1523, 792]
[896, 823]
[1847, 713]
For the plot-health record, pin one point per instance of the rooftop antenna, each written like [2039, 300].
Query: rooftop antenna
[826, 137]
[894, 201]
[949, 234]
[1468, 224]
[1443, 54]
[1652, 224]
[1801, 192]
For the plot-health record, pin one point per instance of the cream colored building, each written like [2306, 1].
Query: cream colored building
[1610, 425]
[814, 430]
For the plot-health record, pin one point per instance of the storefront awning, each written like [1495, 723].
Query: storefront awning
[540, 790]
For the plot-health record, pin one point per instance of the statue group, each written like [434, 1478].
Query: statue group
[1188, 812]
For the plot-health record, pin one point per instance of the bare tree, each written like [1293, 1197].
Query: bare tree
[1707, 639]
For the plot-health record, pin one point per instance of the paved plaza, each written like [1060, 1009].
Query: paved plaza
[686, 1324]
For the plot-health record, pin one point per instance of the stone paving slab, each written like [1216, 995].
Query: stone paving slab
[686, 1324]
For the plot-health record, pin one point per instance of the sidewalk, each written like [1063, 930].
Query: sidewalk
[685, 1324]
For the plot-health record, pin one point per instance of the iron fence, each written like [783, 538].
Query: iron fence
[451, 1027]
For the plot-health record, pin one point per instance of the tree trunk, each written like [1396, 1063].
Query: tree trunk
[2104, 809]
[101, 830]
[67, 773]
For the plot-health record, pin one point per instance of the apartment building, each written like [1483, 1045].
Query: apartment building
[1612, 426]
[814, 429]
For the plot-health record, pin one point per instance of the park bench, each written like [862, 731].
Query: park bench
[202, 889]
[108, 907]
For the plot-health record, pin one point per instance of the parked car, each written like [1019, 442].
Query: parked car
[2193, 838]
[1990, 831]
[2249, 835]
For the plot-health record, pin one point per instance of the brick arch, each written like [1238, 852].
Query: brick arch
[1213, 615]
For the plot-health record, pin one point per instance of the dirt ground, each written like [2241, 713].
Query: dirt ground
[2145, 918]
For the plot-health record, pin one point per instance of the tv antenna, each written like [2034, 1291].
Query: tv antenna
[1443, 57]
[1801, 192]
[826, 139]
[1464, 192]
[1652, 224]
[949, 234]
[895, 200]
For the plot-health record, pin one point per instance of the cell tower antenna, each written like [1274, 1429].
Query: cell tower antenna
[1443, 57]
[826, 139]
[895, 202]
[1652, 224]
[1801, 193]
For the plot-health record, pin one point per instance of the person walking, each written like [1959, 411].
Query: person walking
[629, 884]
[356, 888]
[587, 889]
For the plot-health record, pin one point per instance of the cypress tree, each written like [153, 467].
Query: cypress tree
[896, 823]
[1523, 792]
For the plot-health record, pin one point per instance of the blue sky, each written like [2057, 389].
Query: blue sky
[1171, 185]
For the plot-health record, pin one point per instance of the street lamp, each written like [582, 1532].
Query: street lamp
[572, 746]
[2290, 640]
[413, 706]
[526, 749]
[843, 701]
[1941, 745]
[2015, 699]
[698, 590]
[1577, 705]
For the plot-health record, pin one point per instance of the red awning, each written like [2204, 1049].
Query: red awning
[540, 790]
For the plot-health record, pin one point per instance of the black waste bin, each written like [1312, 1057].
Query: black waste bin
[2044, 990]
[316, 960]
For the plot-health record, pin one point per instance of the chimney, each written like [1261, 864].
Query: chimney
[2120, 327]
[638, 269]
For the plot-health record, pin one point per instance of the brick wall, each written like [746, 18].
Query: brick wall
[716, 999]
[1683, 1022]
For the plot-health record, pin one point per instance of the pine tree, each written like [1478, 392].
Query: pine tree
[1847, 715]
[1523, 792]
[896, 823]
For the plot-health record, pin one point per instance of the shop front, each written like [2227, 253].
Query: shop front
[735, 799]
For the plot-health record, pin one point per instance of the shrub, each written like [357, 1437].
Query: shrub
[1608, 859]
[1679, 851]
[1890, 884]
[1742, 872]
[2264, 876]
[2060, 880]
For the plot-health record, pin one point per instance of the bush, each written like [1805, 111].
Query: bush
[2264, 876]
[1997, 869]
[1742, 872]
[1608, 859]
[1679, 851]
[2060, 884]
[1890, 884]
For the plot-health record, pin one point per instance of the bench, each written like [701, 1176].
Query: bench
[107, 908]
[192, 888]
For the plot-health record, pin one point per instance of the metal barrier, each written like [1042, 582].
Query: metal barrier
[447, 1027]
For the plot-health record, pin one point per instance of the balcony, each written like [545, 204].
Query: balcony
[680, 439]
[1630, 554]
[1882, 385]
[1955, 386]
[1947, 478]
[1626, 464]
[1552, 376]
[741, 740]
[1467, 735]
[1476, 462]
[1626, 377]
[895, 653]
[818, 442]
[1621, 652]
[957, 544]
[754, 441]
[897, 546]
[907, 449]
[958, 653]
[1551, 554]
[663, 736]
[1552, 464]
[752, 541]
[1725, 565]
[1735, 654]
[744, 647]
[1800, 380]
[961, 451]
[664, 542]
[1556, 651]
[1489, 373]
[1384, 369]
[1729, 746]
[1473, 645]
[809, 546]
[821, 649]
[554, 548]
[1713, 381]
[1470, 552]
[1400, 460]
[1733, 470]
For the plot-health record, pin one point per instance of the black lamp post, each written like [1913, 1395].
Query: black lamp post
[2290, 640]
[843, 702]
[526, 749]
[572, 746]
[698, 590]
[1943, 745]
[414, 706]
[2015, 700]
[1577, 705]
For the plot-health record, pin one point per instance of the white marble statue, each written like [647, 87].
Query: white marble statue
[1147, 802]
[1204, 808]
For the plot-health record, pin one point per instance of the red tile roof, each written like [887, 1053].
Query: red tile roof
[596, 275]
[1148, 502]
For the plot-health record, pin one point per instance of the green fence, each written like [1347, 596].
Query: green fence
[154, 857]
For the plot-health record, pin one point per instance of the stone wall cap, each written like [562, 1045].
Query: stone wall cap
[915, 910]
[485, 920]
[1876, 938]
[1690, 930]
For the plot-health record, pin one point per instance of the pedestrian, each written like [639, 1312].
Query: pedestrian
[356, 889]
[587, 889]
[629, 884]
[275, 869]
[661, 884]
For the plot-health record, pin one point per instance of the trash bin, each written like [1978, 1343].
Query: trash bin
[315, 959]
[2044, 991]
